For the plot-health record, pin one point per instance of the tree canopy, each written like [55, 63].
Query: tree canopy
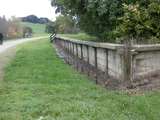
[63, 24]
[35, 19]
[109, 19]
[10, 28]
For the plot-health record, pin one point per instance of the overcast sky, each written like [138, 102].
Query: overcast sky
[21, 8]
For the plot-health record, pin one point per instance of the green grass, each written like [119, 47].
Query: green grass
[38, 29]
[37, 83]
[80, 36]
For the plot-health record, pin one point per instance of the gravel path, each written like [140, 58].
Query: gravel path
[9, 44]
[8, 51]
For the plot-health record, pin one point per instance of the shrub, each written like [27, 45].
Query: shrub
[140, 22]
[65, 24]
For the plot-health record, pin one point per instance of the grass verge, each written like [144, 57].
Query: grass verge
[80, 36]
[38, 85]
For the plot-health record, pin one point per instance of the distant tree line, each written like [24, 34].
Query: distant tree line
[114, 19]
[12, 28]
[35, 19]
[62, 25]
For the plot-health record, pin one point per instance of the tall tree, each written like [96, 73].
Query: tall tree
[97, 17]
[104, 18]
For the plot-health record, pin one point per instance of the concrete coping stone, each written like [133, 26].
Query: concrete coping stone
[93, 44]
[151, 47]
[112, 46]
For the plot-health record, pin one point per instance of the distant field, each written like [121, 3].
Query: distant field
[38, 29]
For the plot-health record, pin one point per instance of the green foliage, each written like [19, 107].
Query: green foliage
[96, 17]
[50, 27]
[37, 29]
[11, 28]
[35, 19]
[65, 24]
[38, 85]
[111, 19]
[154, 15]
[141, 21]
[27, 32]
[4, 25]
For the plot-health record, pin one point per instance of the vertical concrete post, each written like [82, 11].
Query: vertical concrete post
[96, 64]
[88, 59]
[70, 47]
[106, 51]
[77, 50]
[73, 48]
[81, 51]
[62, 42]
[73, 60]
[81, 56]
[77, 56]
[127, 63]
[67, 45]
[63, 45]
[70, 52]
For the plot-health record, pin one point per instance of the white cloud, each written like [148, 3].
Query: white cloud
[20, 8]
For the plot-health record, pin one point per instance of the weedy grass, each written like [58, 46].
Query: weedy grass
[40, 86]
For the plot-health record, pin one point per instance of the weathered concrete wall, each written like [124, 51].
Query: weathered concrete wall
[146, 60]
[102, 56]
[110, 61]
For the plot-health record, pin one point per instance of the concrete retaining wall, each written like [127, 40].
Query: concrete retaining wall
[116, 62]
[146, 60]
